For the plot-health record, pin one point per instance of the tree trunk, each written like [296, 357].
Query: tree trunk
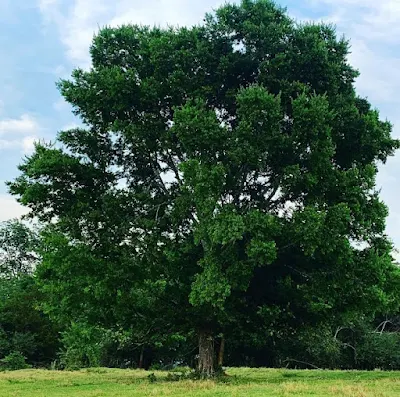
[206, 354]
[141, 357]
[221, 352]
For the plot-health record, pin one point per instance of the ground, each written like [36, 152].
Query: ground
[239, 382]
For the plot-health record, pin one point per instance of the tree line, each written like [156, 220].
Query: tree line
[218, 206]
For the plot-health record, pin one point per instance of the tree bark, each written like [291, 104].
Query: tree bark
[141, 358]
[206, 354]
[221, 352]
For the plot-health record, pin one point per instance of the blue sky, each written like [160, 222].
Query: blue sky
[43, 40]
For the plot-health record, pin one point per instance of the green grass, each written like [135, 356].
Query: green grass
[239, 382]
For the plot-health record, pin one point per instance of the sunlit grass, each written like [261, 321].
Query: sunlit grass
[239, 382]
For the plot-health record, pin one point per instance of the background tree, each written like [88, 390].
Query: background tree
[24, 329]
[225, 179]
[18, 249]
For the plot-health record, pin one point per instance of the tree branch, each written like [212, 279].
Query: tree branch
[301, 362]
[174, 168]
[155, 166]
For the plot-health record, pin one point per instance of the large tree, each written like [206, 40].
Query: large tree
[225, 179]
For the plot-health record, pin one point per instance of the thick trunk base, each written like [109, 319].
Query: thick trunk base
[205, 366]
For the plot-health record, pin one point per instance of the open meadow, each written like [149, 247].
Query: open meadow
[239, 382]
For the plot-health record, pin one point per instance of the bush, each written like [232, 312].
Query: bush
[14, 361]
[4, 343]
[84, 346]
[311, 347]
[24, 342]
[24, 327]
[379, 350]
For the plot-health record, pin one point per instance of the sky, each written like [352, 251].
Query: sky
[42, 41]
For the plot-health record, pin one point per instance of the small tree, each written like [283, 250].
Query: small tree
[224, 174]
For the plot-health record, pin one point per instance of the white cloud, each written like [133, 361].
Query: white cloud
[25, 145]
[10, 208]
[78, 20]
[25, 124]
[19, 133]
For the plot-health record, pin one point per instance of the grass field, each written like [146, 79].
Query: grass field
[239, 382]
